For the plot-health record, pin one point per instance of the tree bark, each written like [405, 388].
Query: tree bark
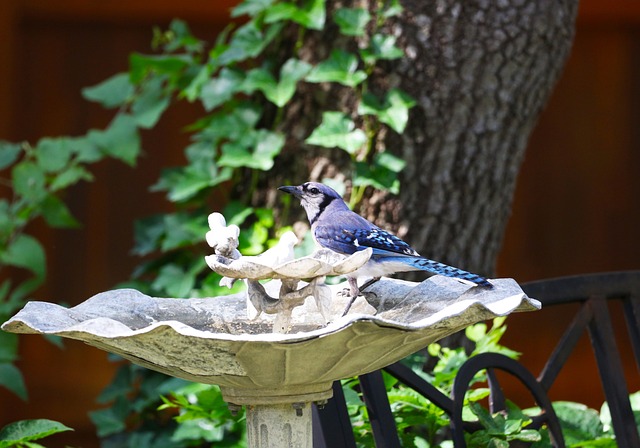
[480, 72]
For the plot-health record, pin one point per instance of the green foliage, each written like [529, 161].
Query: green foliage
[420, 423]
[23, 433]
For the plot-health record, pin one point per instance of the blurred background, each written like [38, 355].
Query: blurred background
[576, 209]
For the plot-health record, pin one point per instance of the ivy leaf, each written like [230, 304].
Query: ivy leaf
[381, 174]
[221, 89]
[29, 181]
[337, 130]
[69, 176]
[381, 47]
[340, 67]
[56, 213]
[119, 140]
[248, 42]
[53, 154]
[170, 65]
[111, 420]
[394, 8]
[194, 89]
[393, 110]
[250, 7]
[352, 21]
[26, 252]
[9, 153]
[278, 92]
[176, 281]
[292, 71]
[150, 104]
[312, 15]
[11, 378]
[112, 92]
[257, 151]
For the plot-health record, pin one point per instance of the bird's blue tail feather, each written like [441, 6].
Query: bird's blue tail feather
[449, 271]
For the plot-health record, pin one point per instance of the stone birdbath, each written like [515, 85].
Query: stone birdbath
[279, 346]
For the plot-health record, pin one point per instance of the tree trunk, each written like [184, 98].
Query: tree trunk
[480, 72]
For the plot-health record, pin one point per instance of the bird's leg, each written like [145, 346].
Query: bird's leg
[369, 283]
[354, 292]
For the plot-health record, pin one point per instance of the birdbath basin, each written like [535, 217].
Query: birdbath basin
[276, 375]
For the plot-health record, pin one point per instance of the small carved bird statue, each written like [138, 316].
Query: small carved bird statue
[336, 227]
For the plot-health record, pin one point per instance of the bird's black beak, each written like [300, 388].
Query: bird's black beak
[292, 190]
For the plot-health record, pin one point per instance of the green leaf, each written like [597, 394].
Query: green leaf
[29, 181]
[381, 47]
[352, 21]
[579, 423]
[119, 140]
[8, 341]
[280, 92]
[150, 104]
[24, 431]
[175, 281]
[53, 154]
[312, 15]
[9, 153]
[394, 8]
[248, 42]
[194, 89]
[113, 92]
[381, 174]
[256, 151]
[147, 232]
[393, 110]
[26, 252]
[111, 420]
[292, 71]
[56, 213]
[220, 89]
[340, 67]
[70, 176]
[337, 130]
[170, 65]
[250, 7]
[11, 378]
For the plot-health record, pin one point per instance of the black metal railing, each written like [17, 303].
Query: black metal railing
[593, 292]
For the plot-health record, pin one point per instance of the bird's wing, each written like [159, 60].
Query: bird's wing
[349, 233]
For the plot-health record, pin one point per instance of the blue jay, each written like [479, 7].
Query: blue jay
[336, 227]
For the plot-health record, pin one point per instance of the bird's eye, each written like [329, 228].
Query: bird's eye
[314, 190]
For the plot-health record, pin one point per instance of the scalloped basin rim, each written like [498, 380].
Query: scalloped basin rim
[110, 328]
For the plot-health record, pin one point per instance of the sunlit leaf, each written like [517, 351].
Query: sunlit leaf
[256, 151]
[311, 15]
[250, 7]
[381, 47]
[221, 88]
[278, 92]
[337, 130]
[352, 21]
[340, 67]
[393, 110]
